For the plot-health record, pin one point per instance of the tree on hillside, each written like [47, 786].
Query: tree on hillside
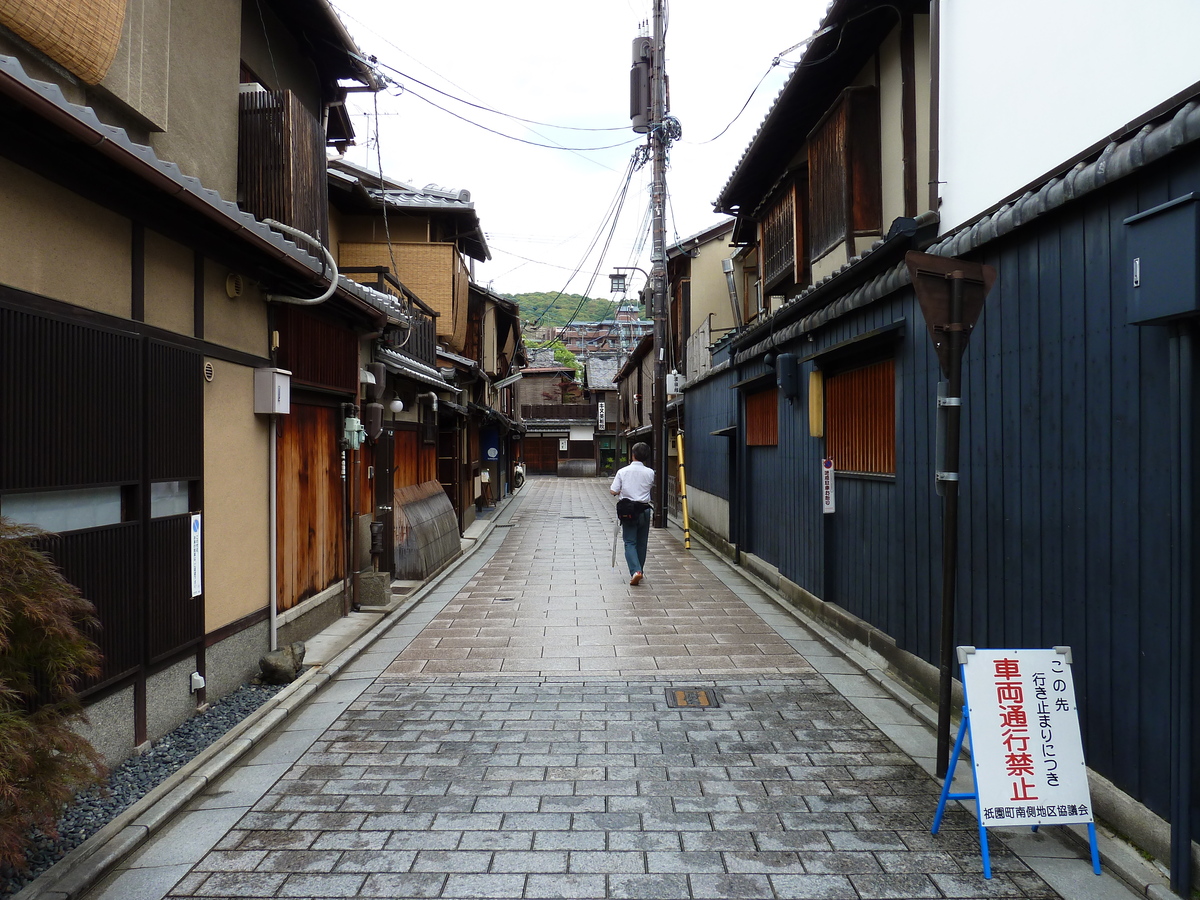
[552, 308]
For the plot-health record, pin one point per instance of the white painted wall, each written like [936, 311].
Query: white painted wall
[1028, 84]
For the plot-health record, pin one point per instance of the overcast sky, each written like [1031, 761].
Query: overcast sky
[565, 63]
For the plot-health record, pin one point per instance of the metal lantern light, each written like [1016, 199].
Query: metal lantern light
[617, 283]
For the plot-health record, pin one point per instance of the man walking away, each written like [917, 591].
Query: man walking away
[633, 483]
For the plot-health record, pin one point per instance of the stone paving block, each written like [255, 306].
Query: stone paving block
[423, 840]
[322, 885]
[648, 887]
[973, 886]
[570, 840]
[687, 861]
[240, 884]
[531, 862]
[351, 840]
[496, 840]
[567, 887]
[452, 861]
[408, 885]
[898, 887]
[731, 887]
[618, 862]
[484, 886]
[814, 886]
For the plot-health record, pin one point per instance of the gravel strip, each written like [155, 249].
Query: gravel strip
[133, 779]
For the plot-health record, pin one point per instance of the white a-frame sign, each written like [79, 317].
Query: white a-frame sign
[1026, 749]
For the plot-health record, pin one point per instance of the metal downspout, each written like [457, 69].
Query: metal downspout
[273, 577]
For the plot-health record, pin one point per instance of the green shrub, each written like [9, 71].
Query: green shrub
[44, 654]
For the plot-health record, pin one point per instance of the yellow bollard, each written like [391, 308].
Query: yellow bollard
[687, 531]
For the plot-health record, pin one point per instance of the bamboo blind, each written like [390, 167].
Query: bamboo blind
[860, 419]
[84, 37]
[762, 418]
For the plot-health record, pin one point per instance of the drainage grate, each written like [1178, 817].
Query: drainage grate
[576, 517]
[692, 698]
[502, 600]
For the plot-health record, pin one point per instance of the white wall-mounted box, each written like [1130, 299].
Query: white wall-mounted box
[272, 391]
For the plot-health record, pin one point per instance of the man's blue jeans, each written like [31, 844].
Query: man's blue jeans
[636, 535]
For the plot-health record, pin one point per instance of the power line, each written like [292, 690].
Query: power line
[489, 109]
[614, 204]
[511, 137]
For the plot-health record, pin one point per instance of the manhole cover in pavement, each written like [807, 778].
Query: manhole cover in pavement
[692, 698]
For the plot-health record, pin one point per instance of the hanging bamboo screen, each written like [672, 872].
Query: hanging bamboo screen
[84, 37]
[860, 419]
[762, 418]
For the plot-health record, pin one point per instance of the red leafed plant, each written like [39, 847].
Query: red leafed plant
[44, 654]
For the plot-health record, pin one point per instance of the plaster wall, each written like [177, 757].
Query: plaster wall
[236, 497]
[891, 131]
[169, 698]
[370, 229]
[234, 661]
[710, 292]
[170, 284]
[66, 248]
[108, 726]
[202, 93]
[1018, 101]
[710, 511]
[239, 323]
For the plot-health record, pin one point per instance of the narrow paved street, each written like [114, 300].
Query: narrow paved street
[512, 738]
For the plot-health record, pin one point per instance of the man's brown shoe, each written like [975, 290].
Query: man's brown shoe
[637, 577]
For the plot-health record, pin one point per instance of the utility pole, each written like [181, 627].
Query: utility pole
[648, 111]
[658, 259]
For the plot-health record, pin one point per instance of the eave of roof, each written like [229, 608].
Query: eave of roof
[179, 198]
[700, 238]
[318, 28]
[827, 66]
[364, 191]
[1118, 159]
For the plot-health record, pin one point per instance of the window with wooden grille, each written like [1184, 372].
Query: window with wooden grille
[844, 187]
[762, 418]
[860, 419]
[779, 238]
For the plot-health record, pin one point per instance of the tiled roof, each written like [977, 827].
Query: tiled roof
[602, 373]
[115, 143]
[1117, 160]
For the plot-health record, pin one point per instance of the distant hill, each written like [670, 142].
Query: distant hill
[534, 304]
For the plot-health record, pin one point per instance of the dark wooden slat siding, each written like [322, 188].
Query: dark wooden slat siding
[317, 352]
[1098, 679]
[91, 379]
[281, 161]
[1123, 418]
[710, 406]
[174, 618]
[99, 561]
[175, 412]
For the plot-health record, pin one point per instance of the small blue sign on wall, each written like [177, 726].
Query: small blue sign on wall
[489, 443]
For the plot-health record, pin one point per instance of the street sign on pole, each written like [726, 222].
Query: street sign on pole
[951, 293]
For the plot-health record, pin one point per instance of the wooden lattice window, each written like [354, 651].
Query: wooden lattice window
[762, 418]
[779, 238]
[845, 190]
[860, 419]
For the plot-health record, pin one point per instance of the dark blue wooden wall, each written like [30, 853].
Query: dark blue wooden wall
[711, 406]
[1066, 495]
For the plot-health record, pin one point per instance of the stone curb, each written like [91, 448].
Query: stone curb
[1119, 857]
[78, 871]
